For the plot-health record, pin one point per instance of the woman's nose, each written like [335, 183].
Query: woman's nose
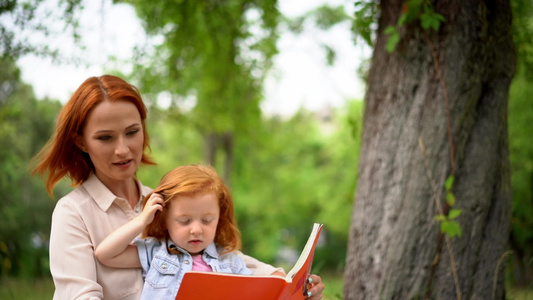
[121, 148]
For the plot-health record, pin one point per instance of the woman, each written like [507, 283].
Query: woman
[99, 143]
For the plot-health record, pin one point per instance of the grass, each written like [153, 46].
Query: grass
[43, 289]
[334, 284]
[26, 289]
[519, 293]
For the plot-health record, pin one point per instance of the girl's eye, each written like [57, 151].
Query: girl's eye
[207, 221]
[184, 222]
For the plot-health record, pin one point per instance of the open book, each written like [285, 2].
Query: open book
[222, 286]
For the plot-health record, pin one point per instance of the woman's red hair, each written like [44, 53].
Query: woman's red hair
[192, 180]
[60, 156]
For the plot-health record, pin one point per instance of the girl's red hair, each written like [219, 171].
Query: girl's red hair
[60, 156]
[191, 180]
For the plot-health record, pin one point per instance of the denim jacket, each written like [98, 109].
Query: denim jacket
[164, 271]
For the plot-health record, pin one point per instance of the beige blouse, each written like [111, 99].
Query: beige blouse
[81, 220]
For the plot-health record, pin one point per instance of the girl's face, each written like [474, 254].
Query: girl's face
[113, 137]
[192, 221]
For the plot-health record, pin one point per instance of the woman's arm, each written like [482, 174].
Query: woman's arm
[116, 249]
[70, 244]
[315, 287]
[260, 268]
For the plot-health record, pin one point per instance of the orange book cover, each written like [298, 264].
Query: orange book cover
[222, 286]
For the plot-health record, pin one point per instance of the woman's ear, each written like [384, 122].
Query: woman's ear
[80, 143]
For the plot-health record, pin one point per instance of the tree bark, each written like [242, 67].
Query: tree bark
[224, 141]
[395, 248]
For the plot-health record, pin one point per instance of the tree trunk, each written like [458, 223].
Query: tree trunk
[224, 141]
[395, 249]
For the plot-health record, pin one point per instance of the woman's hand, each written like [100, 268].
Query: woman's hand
[315, 287]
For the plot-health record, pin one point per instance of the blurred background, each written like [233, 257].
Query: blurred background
[269, 92]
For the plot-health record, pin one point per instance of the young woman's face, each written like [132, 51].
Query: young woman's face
[192, 221]
[113, 137]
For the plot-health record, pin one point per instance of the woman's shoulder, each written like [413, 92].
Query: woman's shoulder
[72, 207]
[74, 197]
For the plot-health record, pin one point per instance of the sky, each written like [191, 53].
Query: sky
[300, 76]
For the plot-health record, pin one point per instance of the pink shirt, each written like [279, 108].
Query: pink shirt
[81, 220]
[198, 264]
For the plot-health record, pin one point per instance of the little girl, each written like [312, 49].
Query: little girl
[187, 224]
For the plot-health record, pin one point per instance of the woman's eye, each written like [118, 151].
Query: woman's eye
[132, 132]
[104, 137]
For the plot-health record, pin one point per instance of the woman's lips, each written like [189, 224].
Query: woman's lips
[123, 164]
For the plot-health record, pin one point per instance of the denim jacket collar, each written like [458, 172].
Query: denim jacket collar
[210, 251]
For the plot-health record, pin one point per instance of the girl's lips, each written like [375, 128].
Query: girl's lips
[195, 242]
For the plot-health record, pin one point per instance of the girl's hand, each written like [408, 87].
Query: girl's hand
[315, 287]
[153, 204]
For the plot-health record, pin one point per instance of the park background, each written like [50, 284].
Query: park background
[290, 157]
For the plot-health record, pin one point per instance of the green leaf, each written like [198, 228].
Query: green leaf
[411, 10]
[450, 199]
[440, 218]
[451, 228]
[402, 20]
[445, 227]
[394, 38]
[454, 213]
[431, 20]
[392, 42]
[454, 229]
[390, 30]
[449, 182]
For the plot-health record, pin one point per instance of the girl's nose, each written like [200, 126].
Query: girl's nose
[196, 229]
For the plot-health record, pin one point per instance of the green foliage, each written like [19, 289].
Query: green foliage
[523, 35]
[174, 141]
[296, 174]
[414, 10]
[20, 19]
[450, 197]
[25, 209]
[366, 13]
[520, 147]
[394, 38]
[365, 18]
[451, 228]
[447, 224]
[217, 52]
[326, 16]
[521, 157]
[431, 20]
